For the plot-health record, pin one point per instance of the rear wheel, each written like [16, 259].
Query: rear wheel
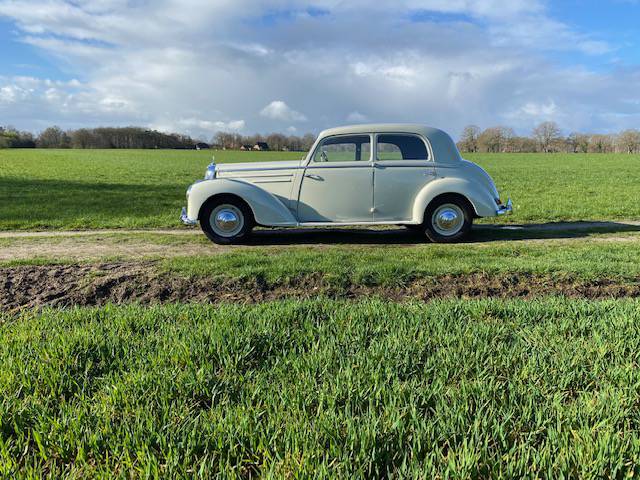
[226, 220]
[448, 219]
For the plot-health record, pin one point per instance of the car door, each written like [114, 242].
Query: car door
[337, 184]
[401, 169]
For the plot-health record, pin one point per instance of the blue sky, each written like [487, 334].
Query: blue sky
[198, 66]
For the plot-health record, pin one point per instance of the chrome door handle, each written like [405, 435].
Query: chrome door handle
[313, 176]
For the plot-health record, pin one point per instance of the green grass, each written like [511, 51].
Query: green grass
[64, 189]
[566, 187]
[323, 389]
[399, 265]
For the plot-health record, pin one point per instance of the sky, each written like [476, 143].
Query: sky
[296, 66]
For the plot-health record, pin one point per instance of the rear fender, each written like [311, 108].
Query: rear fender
[480, 198]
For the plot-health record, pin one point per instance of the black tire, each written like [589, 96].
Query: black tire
[448, 212]
[226, 232]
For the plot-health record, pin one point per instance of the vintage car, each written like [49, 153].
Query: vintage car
[408, 175]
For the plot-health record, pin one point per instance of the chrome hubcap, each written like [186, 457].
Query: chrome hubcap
[226, 220]
[448, 219]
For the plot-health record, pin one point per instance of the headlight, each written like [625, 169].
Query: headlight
[210, 173]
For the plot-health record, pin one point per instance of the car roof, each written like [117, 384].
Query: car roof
[443, 146]
[379, 128]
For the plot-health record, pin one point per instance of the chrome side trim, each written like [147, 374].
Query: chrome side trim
[346, 224]
[249, 174]
[256, 169]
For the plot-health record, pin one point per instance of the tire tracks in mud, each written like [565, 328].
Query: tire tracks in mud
[141, 282]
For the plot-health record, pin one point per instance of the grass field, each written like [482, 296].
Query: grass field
[62, 189]
[513, 389]
[367, 388]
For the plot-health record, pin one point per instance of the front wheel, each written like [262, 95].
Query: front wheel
[448, 220]
[226, 221]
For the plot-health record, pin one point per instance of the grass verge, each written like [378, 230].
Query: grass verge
[545, 388]
[397, 265]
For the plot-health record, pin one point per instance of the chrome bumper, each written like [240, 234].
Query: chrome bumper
[185, 219]
[505, 209]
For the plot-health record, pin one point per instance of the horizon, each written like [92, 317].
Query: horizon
[297, 67]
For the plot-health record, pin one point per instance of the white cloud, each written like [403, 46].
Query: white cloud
[356, 117]
[160, 64]
[279, 110]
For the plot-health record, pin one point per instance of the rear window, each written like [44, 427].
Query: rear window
[401, 147]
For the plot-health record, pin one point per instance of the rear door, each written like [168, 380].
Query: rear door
[402, 167]
[337, 185]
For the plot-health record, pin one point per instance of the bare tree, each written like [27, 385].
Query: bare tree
[546, 134]
[629, 140]
[469, 138]
[600, 143]
[491, 140]
[508, 137]
[578, 142]
[53, 137]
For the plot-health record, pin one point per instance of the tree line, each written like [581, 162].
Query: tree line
[103, 137]
[136, 137]
[546, 138]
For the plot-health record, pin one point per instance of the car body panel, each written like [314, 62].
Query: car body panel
[277, 178]
[267, 209]
[336, 192]
[396, 186]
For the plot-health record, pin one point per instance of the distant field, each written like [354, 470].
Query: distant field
[454, 389]
[61, 189]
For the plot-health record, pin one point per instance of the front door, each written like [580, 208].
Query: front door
[401, 169]
[337, 185]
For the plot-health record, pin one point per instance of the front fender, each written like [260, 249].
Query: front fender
[478, 195]
[267, 209]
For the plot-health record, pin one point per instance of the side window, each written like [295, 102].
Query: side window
[401, 147]
[344, 148]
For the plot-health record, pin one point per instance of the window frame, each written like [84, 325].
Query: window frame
[424, 140]
[313, 162]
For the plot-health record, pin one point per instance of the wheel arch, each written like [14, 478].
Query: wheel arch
[222, 197]
[453, 196]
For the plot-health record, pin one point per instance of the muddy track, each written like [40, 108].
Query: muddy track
[126, 282]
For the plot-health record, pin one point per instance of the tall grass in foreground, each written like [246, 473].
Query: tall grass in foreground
[325, 389]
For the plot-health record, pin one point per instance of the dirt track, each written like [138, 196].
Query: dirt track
[122, 270]
[555, 226]
[125, 282]
[141, 244]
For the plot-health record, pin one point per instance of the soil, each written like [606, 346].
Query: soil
[126, 282]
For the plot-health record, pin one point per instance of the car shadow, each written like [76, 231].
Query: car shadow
[402, 236]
